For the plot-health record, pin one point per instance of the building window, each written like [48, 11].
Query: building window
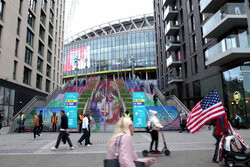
[47, 85]
[20, 6]
[184, 51]
[31, 19]
[49, 55]
[51, 29]
[43, 18]
[50, 43]
[40, 65]
[28, 56]
[14, 69]
[16, 47]
[185, 70]
[195, 64]
[48, 71]
[197, 88]
[191, 24]
[26, 76]
[189, 6]
[193, 44]
[52, 4]
[41, 32]
[29, 37]
[44, 4]
[32, 4]
[18, 26]
[40, 48]
[1, 9]
[54, 73]
[39, 79]
[51, 16]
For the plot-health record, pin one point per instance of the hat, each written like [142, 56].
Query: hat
[152, 112]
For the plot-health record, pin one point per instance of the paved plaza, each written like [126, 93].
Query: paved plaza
[189, 150]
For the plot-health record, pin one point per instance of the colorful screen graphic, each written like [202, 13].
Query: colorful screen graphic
[71, 109]
[81, 53]
[139, 108]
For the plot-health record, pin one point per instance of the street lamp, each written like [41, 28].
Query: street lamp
[76, 70]
[133, 71]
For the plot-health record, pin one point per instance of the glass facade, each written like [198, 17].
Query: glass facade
[237, 92]
[111, 52]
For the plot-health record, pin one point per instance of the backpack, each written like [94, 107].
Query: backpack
[149, 126]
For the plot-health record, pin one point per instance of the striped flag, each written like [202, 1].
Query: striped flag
[206, 110]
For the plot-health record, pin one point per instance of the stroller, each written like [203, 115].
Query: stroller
[235, 152]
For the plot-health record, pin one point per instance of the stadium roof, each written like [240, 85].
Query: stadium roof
[145, 21]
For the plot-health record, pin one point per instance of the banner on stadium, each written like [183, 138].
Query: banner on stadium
[139, 109]
[71, 108]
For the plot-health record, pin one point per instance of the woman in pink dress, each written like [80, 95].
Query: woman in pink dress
[127, 155]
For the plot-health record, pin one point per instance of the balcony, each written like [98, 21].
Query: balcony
[167, 2]
[230, 49]
[170, 13]
[172, 45]
[172, 28]
[175, 79]
[211, 6]
[228, 17]
[173, 60]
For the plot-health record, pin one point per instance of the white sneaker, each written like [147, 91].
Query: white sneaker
[88, 145]
[53, 148]
[71, 148]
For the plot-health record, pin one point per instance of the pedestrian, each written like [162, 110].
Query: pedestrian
[40, 116]
[122, 138]
[222, 128]
[156, 126]
[80, 117]
[183, 121]
[155, 99]
[64, 132]
[20, 122]
[126, 114]
[36, 125]
[1, 120]
[85, 129]
[89, 119]
[151, 88]
[237, 121]
[54, 121]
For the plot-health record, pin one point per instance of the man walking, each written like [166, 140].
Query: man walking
[64, 132]
[89, 119]
[54, 121]
[80, 122]
[85, 129]
[20, 122]
[40, 116]
[36, 125]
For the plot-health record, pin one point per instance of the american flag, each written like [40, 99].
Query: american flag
[206, 110]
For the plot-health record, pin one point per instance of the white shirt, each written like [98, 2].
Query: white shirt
[85, 123]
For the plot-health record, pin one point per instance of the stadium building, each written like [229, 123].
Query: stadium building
[110, 49]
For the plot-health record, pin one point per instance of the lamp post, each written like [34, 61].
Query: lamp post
[76, 70]
[133, 71]
[86, 61]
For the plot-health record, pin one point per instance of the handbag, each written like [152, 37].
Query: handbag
[115, 162]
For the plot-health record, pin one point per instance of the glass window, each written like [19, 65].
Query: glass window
[1, 9]
[16, 47]
[40, 48]
[32, 4]
[50, 43]
[29, 37]
[18, 26]
[197, 88]
[43, 18]
[26, 76]
[28, 56]
[49, 55]
[6, 96]
[41, 33]
[14, 70]
[39, 79]
[48, 71]
[39, 64]
[44, 4]
[1, 94]
[51, 16]
[12, 97]
[20, 6]
[52, 4]
[51, 29]
[47, 85]
[31, 19]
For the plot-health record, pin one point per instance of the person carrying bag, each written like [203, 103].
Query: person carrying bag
[121, 149]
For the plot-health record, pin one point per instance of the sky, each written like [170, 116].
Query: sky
[90, 13]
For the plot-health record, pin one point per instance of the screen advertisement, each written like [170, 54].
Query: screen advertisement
[71, 109]
[139, 110]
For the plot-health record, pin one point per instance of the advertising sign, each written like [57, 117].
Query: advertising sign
[71, 109]
[139, 114]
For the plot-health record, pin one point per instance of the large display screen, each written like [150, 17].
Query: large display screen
[82, 53]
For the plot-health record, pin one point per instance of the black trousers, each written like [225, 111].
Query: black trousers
[40, 128]
[155, 137]
[54, 127]
[89, 134]
[36, 131]
[1, 125]
[65, 136]
[85, 137]
[80, 128]
[21, 128]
